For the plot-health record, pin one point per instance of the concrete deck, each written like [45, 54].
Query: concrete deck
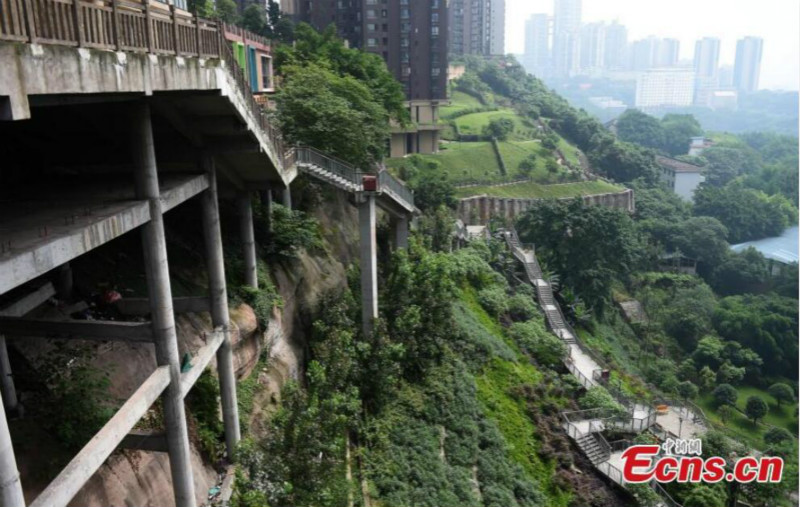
[585, 364]
[680, 422]
[36, 236]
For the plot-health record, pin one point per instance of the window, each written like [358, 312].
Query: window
[266, 73]
[435, 30]
[372, 42]
[404, 13]
[435, 71]
[435, 17]
[371, 27]
[370, 13]
[384, 13]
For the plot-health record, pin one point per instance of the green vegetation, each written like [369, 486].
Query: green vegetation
[670, 135]
[532, 190]
[459, 103]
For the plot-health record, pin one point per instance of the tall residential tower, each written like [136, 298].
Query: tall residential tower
[747, 69]
[566, 37]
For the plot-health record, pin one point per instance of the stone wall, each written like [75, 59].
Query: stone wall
[481, 208]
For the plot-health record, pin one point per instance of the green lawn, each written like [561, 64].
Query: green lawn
[472, 124]
[459, 101]
[514, 152]
[535, 190]
[463, 161]
[569, 152]
[743, 428]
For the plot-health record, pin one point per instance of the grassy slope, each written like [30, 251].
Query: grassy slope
[472, 124]
[536, 190]
[499, 379]
[459, 101]
[463, 161]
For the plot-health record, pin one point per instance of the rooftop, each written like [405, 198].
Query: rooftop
[677, 165]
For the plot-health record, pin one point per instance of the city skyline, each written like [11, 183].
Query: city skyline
[776, 21]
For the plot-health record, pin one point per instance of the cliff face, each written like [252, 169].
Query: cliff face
[143, 478]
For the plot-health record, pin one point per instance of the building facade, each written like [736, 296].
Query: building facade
[681, 177]
[497, 28]
[616, 47]
[706, 68]
[412, 38]
[671, 87]
[747, 69]
[592, 50]
[476, 27]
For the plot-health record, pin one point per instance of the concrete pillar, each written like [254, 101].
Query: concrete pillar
[7, 388]
[63, 281]
[247, 235]
[266, 200]
[369, 263]
[160, 292]
[10, 486]
[218, 296]
[287, 197]
[400, 232]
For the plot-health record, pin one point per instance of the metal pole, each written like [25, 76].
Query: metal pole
[6, 379]
[219, 307]
[160, 292]
[245, 205]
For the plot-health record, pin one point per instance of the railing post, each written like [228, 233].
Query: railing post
[148, 19]
[30, 20]
[115, 25]
[197, 31]
[76, 12]
[174, 28]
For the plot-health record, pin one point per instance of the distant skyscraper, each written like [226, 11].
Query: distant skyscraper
[748, 64]
[566, 32]
[726, 76]
[668, 52]
[476, 27]
[644, 53]
[497, 27]
[592, 50]
[616, 47]
[706, 68]
[537, 45]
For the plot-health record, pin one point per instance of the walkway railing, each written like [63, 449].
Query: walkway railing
[306, 155]
[388, 183]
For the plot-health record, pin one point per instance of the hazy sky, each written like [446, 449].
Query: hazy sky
[776, 21]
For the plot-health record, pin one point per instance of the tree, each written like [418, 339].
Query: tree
[499, 128]
[781, 392]
[730, 374]
[587, 246]
[741, 272]
[528, 164]
[777, 435]
[546, 348]
[335, 114]
[550, 143]
[551, 166]
[678, 130]
[725, 413]
[637, 127]
[598, 397]
[705, 496]
[756, 408]
[707, 378]
[708, 352]
[433, 190]
[226, 9]
[254, 18]
[725, 163]
[687, 390]
[725, 394]
[746, 213]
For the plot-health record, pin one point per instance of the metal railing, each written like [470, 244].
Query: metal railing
[390, 184]
[306, 155]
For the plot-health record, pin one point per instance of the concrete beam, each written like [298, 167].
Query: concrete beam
[369, 262]
[182, 190]
[141, 306]
[287, 197]
[153, 441]
[72, 478]
[400, 232]
[201, 360]
[78, 329]
[29, 302]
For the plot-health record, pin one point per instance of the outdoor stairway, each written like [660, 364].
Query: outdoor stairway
[591, 447]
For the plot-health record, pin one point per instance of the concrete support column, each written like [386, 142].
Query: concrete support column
[266, 200]
[400, 232]
[160, 292]
[245, 205]
[10, 486]
[218, 296]
[7, 388]
[287, 197]
[63, 281]
[369, 263]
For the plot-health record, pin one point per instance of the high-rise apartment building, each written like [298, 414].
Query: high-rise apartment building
[537, 45]
[616, 47]
[592, 48]
[497, 27]
[644, 53]
[747, 69]
[668, 52]
[411, 37]
[476, 27]
[706, 68]
[566, 35]
[670, 87]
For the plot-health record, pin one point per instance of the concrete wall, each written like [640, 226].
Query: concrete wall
[480, 209]
[686, 184]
